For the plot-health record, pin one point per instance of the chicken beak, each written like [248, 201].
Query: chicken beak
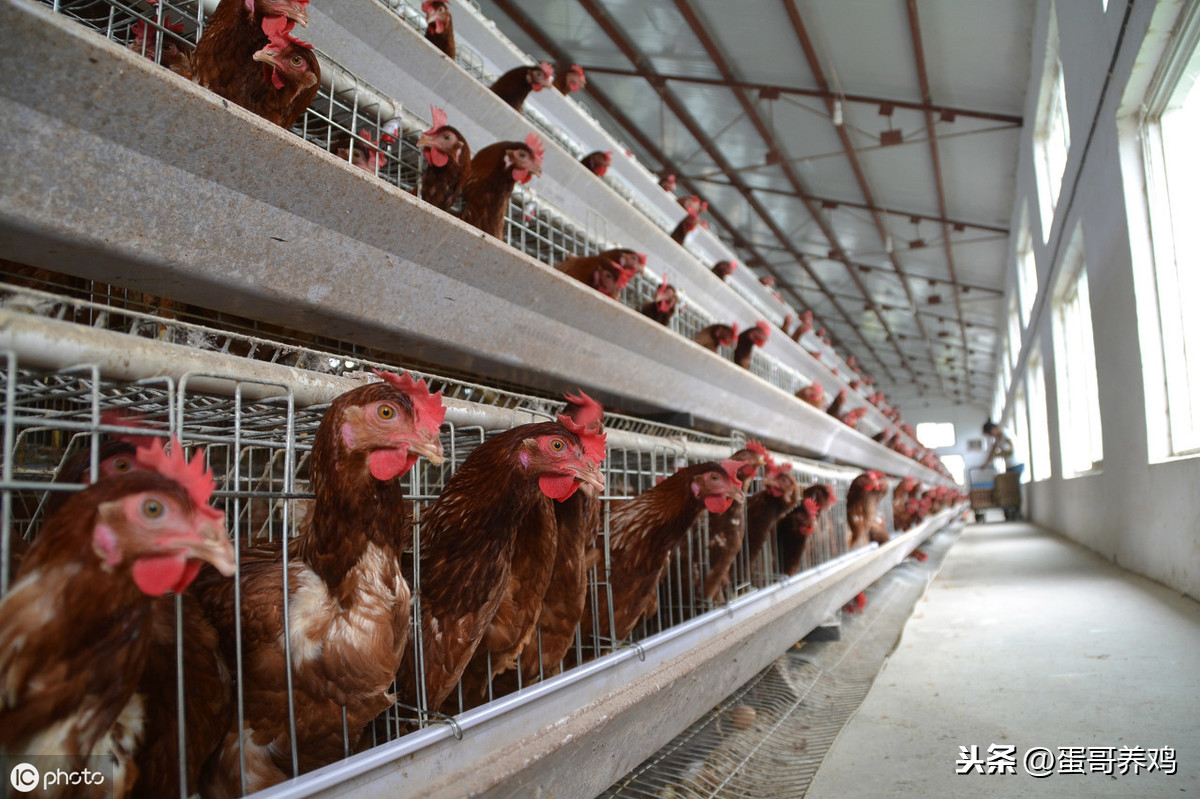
[428, 447]
[298, 13]
[424, 142]
[592, 479]
[212, 545]
[266, 56]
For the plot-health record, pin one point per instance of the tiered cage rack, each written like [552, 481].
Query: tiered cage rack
[123, 184]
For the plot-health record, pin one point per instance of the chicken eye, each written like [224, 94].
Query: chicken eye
[297, 61]
[386, 412]
[557, 445]
[152, 508]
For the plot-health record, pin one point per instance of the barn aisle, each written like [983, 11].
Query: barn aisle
[1026, 640]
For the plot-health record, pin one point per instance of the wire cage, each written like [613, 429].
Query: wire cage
[257, 440]
[258, 437]
[358, 123]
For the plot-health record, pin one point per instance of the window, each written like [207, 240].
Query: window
[1075, 367]
[1020, 431]
[1027, 279]
[935, 435]
[1170, 131]
[957, 468]
[1052, 135]
[1006, 374]
[1039, 422]
[1014, 333]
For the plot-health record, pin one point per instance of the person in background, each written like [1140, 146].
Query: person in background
[1002, 447]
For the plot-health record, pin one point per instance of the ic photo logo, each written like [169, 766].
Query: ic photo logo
[24, 777]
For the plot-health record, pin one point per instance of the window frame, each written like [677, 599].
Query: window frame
[1077, 378]
[1041, 467]
[1052, 129]
[1174, 383]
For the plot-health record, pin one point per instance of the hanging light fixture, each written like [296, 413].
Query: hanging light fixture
[838, 119]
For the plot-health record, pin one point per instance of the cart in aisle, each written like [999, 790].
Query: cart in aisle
[992, 490]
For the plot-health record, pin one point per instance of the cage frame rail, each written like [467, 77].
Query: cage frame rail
[630, 702]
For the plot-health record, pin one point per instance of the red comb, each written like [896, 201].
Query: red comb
[279, 31]
[430, 411]
[439, 120]
[584, 410]
[811, 506]
[735, 329]
[427, 7]
[578, 70]
[731, 468]
[757, 447]
[191, 475]
[764, 328]
[661, 291]
[535, 146]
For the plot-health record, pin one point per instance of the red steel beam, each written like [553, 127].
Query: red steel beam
[601, 98]
[828, 202]
[923, 78]
[823, 94]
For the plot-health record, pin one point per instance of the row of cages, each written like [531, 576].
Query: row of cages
[353, 120]
[259, 452]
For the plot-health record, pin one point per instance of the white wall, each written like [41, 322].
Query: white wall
[1144, 517]
[968, 423]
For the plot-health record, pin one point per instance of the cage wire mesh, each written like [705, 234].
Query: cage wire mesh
[358, 123]
[767, 739]
[258, 449]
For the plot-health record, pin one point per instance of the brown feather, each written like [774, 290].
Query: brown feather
[223, 62]
[642, 534]
[488, 188]
[76, 636]
[442, 185]
[349, 609]
[513, 86]
[763, 510]
[443, 41]
[468, 539]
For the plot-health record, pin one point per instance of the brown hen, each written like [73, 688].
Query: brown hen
[76, 628]
[447, 162]
[469, 538]
[515, 85]
[347, 601]
[494, 171]
[439, 25]
[643, 532]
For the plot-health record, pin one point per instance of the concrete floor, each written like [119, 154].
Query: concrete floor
[1026, 640]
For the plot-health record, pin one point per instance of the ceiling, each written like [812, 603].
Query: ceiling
[807, 125]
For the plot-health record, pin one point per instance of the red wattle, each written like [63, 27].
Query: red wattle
[557, 487]
[276, 81]
[156, 576]
[387, 463]
[521, 175]
[717, 504]
[436, 157]
[600, 170]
